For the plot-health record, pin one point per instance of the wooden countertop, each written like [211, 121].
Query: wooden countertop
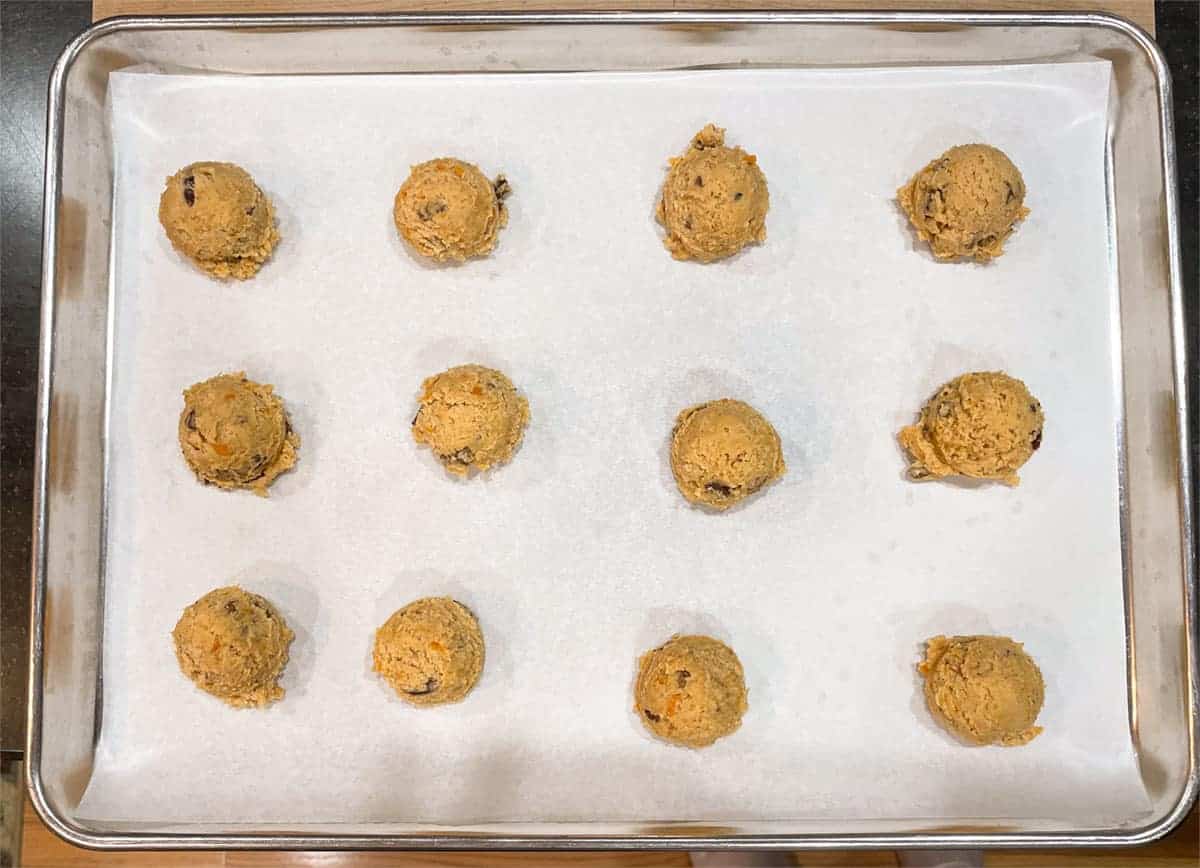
[41, 849]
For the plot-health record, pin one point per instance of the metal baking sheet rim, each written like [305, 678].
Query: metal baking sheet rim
[81, 837]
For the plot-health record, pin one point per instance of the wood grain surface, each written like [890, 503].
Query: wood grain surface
[1139, 11]
[41, 849]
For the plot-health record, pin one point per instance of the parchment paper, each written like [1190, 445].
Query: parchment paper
[580, 554]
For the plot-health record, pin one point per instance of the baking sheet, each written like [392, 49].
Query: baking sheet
[580, 554]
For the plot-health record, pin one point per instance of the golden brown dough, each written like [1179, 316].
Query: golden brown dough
[722, 452]
[235, 433]
[690, 691]
[430, 652]
[234, 645]
[216, 216]
[982, 425]
[448, 210]
[714, 201]
[985, 689]
[472, 417]
[966, 202]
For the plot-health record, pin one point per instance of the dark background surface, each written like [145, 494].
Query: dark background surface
[31, 36]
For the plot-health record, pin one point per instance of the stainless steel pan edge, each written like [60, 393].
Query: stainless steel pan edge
[78, 835]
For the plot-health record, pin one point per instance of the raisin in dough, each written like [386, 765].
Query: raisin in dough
[235, 433]
[985, 689]
[722, 452]
[982, 425]
[714, 201]
[216, 216]
[690, 691]
[234, 645]
[430, 652]
[966, 202]
[472, 418]
[448, 211]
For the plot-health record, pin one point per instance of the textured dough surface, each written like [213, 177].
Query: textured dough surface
[215, 215]
[982, 425]
[234, 645]
[471, 417]
[430, 652]
[724, 451]
[448, 210]
[714, 201]
[985, 689]
[235, 433]
[966, 202]
[690, 691]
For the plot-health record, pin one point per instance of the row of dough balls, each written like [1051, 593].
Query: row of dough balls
[691, 690]
[235, 433]
[714, 202]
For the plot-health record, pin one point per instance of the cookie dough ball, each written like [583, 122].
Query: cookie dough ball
[714, 201]
[431, 651]
[216, 216]
[985, 689]
[966, 202]
[472, 418]
[982, 425]
[449, 211]
[234, 645]
[690, 691]
[235, 433]
[722, 452]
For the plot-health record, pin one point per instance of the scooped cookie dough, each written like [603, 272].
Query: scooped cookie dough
[722, 452]
[472, 418]
[966, 202]
[448, 210]
[985, 689]
[235, 433]
[714, 201]
[216, 216]
[431, 651]
[690, 691]
[982, 425]
[234, 645]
